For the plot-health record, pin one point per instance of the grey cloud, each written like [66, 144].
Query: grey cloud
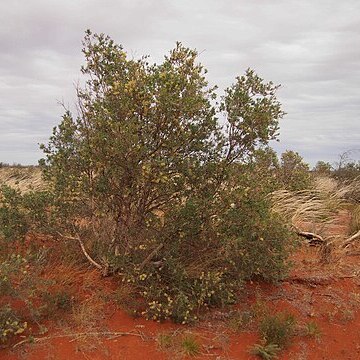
[311, 48]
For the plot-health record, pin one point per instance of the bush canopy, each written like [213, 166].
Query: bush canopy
[158, 188]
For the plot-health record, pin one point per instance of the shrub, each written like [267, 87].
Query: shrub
[20, 213]
[13, 273]
[13, 281]
[13, 222]
[347, 168]
[159, 189]
[323, 168]
[10, 324]
[21, 284]
[294, 173]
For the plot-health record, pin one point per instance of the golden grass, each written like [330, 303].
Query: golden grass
[70, 275]
[89, 313]
[22, 178]
[320, 204]
[355, 219]
[321, 210]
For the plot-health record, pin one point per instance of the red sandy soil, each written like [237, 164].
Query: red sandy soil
[327, 294]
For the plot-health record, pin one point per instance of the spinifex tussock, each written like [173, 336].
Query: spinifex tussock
[317, 205]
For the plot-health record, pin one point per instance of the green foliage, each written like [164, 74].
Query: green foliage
[312, 330]
[294, 173]
[182, 299]
[59, 300]
[165, 194]
[278, 329]
[20, 213]
[322, 168]
[13, 222]
[10, 324]
[264, 169]
[13, 273]
[37, 206]
[14, 278]
[20, 283]
[276, 332]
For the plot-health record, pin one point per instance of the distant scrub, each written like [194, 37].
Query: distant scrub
[19, 213]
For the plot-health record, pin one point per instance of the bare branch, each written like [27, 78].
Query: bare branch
[311, 236]
[91, 260]
[348, 241]
[150, 256]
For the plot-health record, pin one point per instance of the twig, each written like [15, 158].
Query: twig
[78, 335]
[309, 280]
[347, 276]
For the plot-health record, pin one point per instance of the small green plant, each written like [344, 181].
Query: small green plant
[10, 324]
[278, 329]
[312, 330]
[60, 300]
[165, 341]
[189, 345]
[13, 274]
[266, 351]
[240, 320]
[346, 315]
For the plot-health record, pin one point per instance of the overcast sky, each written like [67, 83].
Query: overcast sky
[311, 47]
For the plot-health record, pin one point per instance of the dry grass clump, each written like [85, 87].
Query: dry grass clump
[66, 275]
[318, 210]
[22, 178]
[89, 313]
[184, 343]
[317, 205]
[355, 219]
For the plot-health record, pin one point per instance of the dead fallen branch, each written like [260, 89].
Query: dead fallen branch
[351, 239]
[314, 239]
